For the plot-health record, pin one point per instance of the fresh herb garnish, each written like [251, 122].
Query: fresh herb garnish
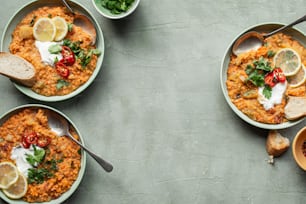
[53, 164]
[256, 78]
[33, 20]
[55, 48]
[117, 6]
[56, 60]
[44, 171]
[256, 74]
[263, 64]
[270, 53]
[267, 91]
[37, 158]
[84, 56]
[38, 175]
[74, 46]
[70, 26]
[61, 83]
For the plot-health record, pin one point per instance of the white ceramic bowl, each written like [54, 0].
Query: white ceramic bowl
[266, 27]
[19, 15]
[106, 13]
[75, 185]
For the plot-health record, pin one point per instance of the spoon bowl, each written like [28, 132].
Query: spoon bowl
[253, 40]
[60, 126]
[84, 22]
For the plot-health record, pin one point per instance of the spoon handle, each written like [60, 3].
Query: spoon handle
[104, 164]
[303, 18]
[67, 6]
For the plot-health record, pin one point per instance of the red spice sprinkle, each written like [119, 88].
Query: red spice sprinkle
[304, 148]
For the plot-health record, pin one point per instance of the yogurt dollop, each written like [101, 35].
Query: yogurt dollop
[276, 97]
[19, 154]
[46, 56]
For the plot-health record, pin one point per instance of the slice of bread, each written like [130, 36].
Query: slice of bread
[17, 69]
[276, 144]
[295, 108]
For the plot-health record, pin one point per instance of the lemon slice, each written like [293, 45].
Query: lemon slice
[61, 28]
[288, 60]
[297, 79]
[8, 174]
[18, 189]
[44, 30]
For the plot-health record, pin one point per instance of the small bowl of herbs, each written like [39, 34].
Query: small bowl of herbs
[115, 9]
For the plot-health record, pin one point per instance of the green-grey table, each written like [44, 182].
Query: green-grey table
[157, 113]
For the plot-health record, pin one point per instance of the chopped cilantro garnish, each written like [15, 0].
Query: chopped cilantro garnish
[267, 92]
[70, 26]
[38, 175]
[256, 74]
[270, 53]
[83, 55]
[55, 48]
[33, 20]
[117, 6]
[61, 83]
[38, 156]
[263, 64]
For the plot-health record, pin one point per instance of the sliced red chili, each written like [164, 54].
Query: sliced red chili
[279, 74]
[25, 144]
[270, 79]
[31, 138]
[68, 56]
[62, 69]
[43, 141]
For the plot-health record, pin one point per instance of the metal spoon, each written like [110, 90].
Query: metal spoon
[253, 40]
[84, 22]
[60, 126]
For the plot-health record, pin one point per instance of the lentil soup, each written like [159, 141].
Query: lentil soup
[51, 81]
[62, 160]
[245, 95]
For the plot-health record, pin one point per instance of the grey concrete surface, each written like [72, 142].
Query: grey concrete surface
[157, 112]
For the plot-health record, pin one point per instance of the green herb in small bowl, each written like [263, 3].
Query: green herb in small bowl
[115, 9]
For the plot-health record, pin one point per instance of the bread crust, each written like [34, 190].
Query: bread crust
[17, 69]
[276, 144]
[295, 108]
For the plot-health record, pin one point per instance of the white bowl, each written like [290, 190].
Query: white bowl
[106, 13]
[76, 183]
[19, 15]
[266, 27]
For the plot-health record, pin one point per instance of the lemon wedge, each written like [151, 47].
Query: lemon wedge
[61, 28]
[44, 30]
[297, 79]
[18, 189]
[288, 60]
[8, 174]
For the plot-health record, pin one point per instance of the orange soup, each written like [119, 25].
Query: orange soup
[60, 166]
[55, 78]
[241, 79]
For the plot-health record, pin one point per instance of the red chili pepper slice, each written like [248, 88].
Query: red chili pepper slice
[43, 141]
[270, 80]
[25, 144]
[30, 138]
[62, 69]
[68, 56]
[279, 74]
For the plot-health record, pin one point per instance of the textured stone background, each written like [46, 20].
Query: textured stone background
[157, 112]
